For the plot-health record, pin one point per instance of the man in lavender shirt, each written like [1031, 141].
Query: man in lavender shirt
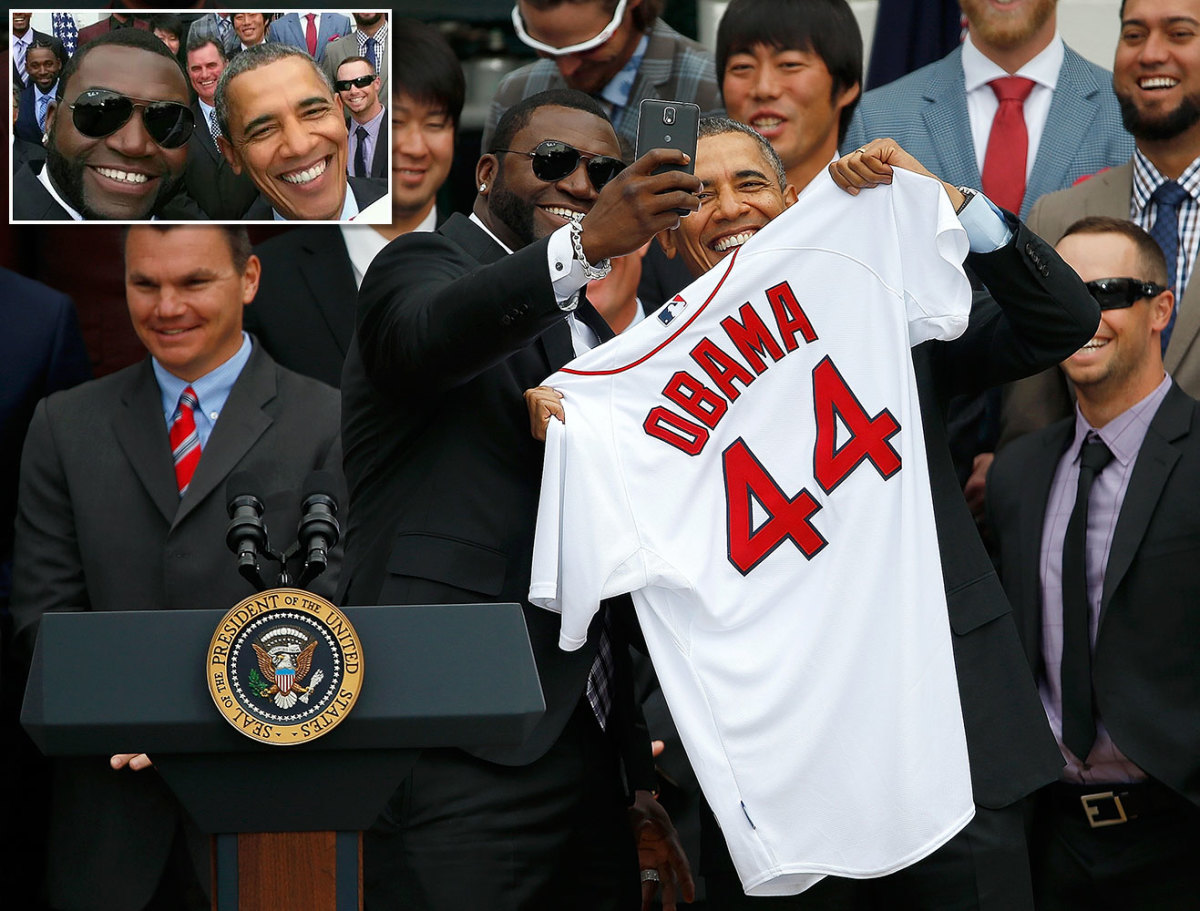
[1107, 596]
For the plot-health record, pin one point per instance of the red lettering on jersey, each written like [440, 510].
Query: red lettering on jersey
[788, 315]
[695, 398]
[751, 338]
[868, 436]
[787, 517]
[721, 368]
[681, 433]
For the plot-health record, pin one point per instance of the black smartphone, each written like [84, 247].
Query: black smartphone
[669, 125]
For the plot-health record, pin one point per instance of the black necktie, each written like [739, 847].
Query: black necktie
[1079, 722]
[591, 318]
[360, 153]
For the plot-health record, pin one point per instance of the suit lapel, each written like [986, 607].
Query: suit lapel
[241, 423]
[141, 433]
[1155, 460]
[204, 136]
[945, 115]
[1032, 522]
[1072, 111]
[1187, 323]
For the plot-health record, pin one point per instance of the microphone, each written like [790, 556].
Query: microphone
[246, 535]
[318, 531]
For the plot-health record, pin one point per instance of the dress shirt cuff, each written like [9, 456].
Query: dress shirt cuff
[566, 272]
[987, 230]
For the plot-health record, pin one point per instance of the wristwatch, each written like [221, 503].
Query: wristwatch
[592, 271]
[968, 195]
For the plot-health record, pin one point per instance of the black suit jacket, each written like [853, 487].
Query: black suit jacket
[365, 189]
[1144, 669]
[1038, 313]
[304, 310]
[101, 526]
[443, 471]
[210, 181]
[31, 200]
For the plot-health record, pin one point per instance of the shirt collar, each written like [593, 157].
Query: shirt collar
[212, 390]
[363, 244]
[40, 94]
[1123, 435]
[372, 125]
[620, 87]
[378, 37]
[1147, 178]
[349, 207]
[505, 247]
[1043, 69]
[26, 39]
[44, 177]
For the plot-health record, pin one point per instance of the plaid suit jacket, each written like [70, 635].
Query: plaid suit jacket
[926, 112]
[674, 68]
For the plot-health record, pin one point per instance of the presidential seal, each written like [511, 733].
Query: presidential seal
[285, 666]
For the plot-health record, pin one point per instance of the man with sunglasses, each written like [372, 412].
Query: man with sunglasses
[618, 51]
[116, 136]
[1099, 550]
[358, 85]
[452, 327]
[281, 122]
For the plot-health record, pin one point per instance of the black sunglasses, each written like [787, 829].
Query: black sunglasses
[1115, 293]
[98, 113]
[554, 160]
[359, 82]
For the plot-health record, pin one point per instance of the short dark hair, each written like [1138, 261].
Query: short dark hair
[168, 22]
[199, 40]
[1149, 252]
[826, 28]
[235, 235]
[50, 43]
[251, 59]
[517, 117]
[718, 126]
[354, 59]
[137, 38]
[643, 17]
[426, 68]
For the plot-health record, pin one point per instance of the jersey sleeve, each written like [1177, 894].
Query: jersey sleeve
[937, 294]
[585, 528]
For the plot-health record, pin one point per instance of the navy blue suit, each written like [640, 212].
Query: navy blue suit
[26, 126]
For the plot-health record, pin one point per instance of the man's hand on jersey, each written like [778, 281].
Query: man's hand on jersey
[637, 204]
[135, 761]
[660, 850]
[872, 166]
[543, 402]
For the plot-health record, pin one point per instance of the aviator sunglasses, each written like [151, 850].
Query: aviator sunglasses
[554, 160]
[1116, 293]
[97, 113]
[359, 82]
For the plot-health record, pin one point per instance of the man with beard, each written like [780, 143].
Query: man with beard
[43, 62]
[452, 327]
[1156, 76]
[368, 40]
[117, 135]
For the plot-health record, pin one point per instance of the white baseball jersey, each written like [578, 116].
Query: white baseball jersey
[749, 463]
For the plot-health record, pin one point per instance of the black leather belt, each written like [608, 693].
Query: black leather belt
[1103, 805]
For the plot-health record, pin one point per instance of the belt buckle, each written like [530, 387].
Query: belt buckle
[1091, 809]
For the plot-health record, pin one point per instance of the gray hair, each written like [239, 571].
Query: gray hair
[251, 59]
[719, 126]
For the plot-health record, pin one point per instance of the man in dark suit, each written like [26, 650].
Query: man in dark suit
[294, 27]
[222, 194]
[112, 23]
[1104, 579]
[271, 91]
[110, 518]
[304, 312]
[444, 474]
[357, 84]
[126, 172]
[21, 34]
[43, 61]
[1040, 311]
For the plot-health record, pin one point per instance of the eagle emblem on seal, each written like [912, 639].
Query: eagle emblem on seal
[285, 656]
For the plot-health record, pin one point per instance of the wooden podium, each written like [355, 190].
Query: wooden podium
[285, 820]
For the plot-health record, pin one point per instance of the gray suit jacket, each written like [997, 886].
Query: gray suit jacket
[926, 112]
[101, 526]
[1042, 399]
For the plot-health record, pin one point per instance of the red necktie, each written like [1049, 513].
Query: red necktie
[1008, 144]
[185, 441]
[310, 34]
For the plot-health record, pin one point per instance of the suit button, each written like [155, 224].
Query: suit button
[506, 320]
[1029, 248]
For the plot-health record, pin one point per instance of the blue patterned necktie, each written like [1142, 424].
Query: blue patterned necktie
[1167, 197]
[43, 103]
[369, 53]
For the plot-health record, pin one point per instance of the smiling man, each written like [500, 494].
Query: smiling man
[251, 29]
[282, 124]
[358, 85]
[43, 61]
[117, 134]
[452, 327]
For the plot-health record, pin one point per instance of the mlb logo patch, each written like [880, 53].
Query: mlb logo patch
[671, 309]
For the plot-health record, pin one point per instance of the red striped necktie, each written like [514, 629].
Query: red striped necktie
[185, 441]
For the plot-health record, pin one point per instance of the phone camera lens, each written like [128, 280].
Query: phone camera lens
[668, 115]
